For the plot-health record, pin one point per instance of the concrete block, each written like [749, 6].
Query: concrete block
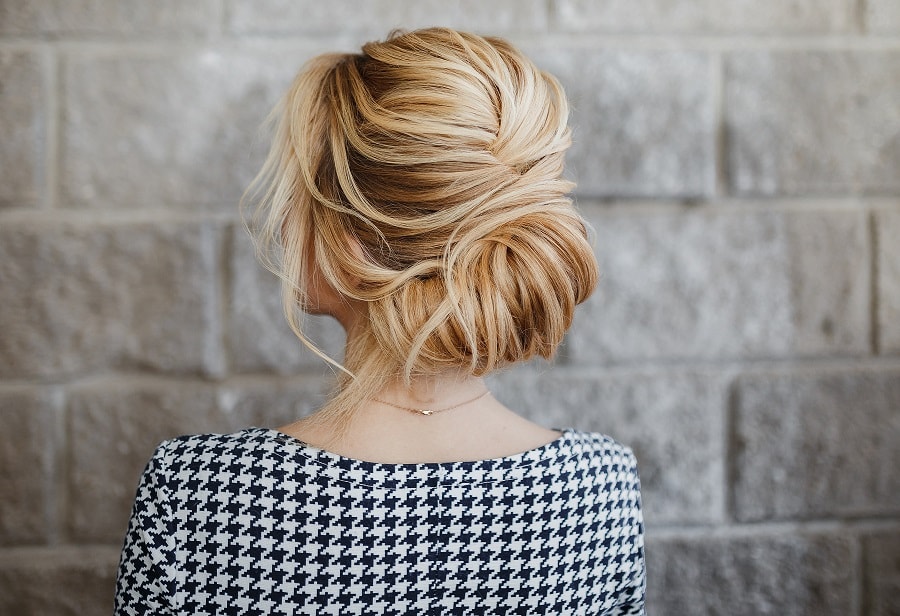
[28, 442]
[816, 444]
[672, 420]
[881, 594]
[642, 120]
[272, 404]
[715, 284]
[813, 122]
[23, 126]
[887, 224]
[131, 17]
[113, 428]
[789, 575]
[58, 581]
[882, 16]
[82, 297]
[159, 130]
[381, 16]
[738, 16]
[260, 339]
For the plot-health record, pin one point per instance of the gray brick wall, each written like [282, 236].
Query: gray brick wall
[740, 164]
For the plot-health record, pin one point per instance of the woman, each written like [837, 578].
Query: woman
[414, 193]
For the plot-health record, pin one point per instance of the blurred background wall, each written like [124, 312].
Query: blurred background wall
[739, 160]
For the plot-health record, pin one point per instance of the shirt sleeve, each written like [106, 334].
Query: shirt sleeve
[632, 595]
[143, 585]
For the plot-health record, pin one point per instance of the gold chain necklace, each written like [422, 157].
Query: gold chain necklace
[433, 411]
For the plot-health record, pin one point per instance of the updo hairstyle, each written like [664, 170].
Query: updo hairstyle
[440, 154]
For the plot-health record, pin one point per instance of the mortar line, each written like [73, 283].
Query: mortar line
[64, 505]
[52, 82]
[224, 15]
[225, 281]
[110, 217]
[874, 290]
[861, 23]
[720, 144]
[724, 206]
[822, 525]
[795, 367]
[301, 39]
[57, 497]
[731, 443]
[552, 17]
[858, 594]
[587, 203]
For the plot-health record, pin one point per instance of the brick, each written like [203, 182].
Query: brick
[271, 404]
[642, 120]
[22, 124]
[882, 15]
[55, 17]
[882, 573]
[156, 129]
[82, 297]
[817, 122]
[888, 284]
[788, 575]
[260, 339]
[381, 16]
[672, 421]
[113, 429]
[27, 456]
[817, 444]
[59, 581]
[717, 284]
[751, 16]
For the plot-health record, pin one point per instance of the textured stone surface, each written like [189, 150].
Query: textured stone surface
[84, 297]
[816, 444]
[60, 581]
[888, 268]
[672, 421]
[642, 120]
[381, 16]
[882, 15]
[704, 284]
[29, 17]
[754, 16]
[166, 130]
[270, 404]
[22, 124]
[260, 339]
[813, 122]
[789, 575]
[113, 428]
[28, 441]
[882, 573]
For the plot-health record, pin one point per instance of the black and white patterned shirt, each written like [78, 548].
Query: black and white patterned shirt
[257, 522]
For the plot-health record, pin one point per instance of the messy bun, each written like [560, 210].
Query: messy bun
[423, 177]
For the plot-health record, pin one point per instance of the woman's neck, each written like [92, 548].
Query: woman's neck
[437, 393]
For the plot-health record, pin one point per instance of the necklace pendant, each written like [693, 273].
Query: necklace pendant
[425, 411]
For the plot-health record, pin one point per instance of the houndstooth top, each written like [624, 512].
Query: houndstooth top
[258, 522]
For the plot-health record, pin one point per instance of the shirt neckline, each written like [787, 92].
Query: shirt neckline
[409, 474]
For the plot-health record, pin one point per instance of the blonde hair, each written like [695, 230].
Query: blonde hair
[440, 153]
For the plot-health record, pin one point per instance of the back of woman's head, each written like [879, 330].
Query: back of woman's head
[423, 178]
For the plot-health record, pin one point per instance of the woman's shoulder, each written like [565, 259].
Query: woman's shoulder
[191, 444]
[600, 445]
[198, 451]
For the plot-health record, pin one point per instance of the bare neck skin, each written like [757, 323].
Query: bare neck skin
[475, 430]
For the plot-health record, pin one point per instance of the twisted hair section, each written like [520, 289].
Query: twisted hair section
[423, 178]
